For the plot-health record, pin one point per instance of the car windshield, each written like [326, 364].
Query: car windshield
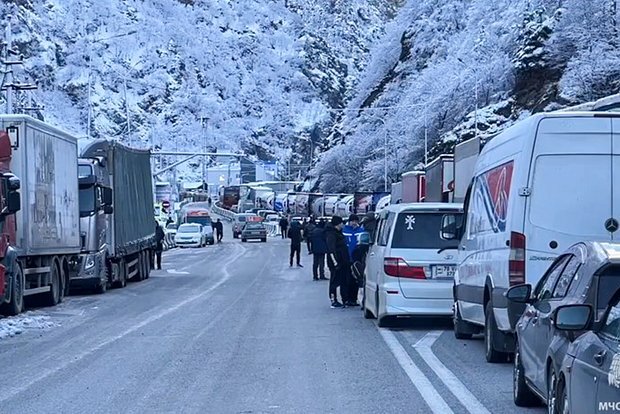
[421, 230]
[189, 229]
[254, 226]
[87, 201]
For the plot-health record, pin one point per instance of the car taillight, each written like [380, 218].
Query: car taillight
[397, 267]
[516, 263]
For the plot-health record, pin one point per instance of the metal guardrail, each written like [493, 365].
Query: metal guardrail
[168, 242]
[273, 229]
[227, 214]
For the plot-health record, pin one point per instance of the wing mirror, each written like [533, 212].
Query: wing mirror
[520, 294]
[108, 209]
[572, 317]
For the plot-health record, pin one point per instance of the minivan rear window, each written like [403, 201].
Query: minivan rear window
[415, 230]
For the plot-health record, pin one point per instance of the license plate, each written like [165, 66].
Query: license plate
[444, 271]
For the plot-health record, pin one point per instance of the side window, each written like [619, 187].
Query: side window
[612, 323]
[384, 235]
[547, 283]
[379, 230]
[568, 275]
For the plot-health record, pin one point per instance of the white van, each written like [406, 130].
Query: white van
[539, 187]
[411, 265]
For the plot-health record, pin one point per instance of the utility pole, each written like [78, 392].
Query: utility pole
[9, 84]
[129, 140]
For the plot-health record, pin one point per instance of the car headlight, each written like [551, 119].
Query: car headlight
[90, 262]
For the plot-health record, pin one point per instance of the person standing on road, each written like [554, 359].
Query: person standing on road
[338, 260]
[351, 232]
[317, 244]
[283, 226]
[295, 234]
[308, 229]
[159, 243]
[219, 230]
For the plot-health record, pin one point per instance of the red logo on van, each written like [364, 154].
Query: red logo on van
[494, 189]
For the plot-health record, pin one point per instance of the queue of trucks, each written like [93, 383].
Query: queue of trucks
[69, 220]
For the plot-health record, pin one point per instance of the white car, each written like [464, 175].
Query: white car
[539, 187]
[190, 235]
[410, 266]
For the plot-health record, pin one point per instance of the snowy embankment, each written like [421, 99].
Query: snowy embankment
[28, 321]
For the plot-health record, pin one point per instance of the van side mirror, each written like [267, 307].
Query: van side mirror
[107, 196]
[520, 294]
[108, 209]
[572, 317]
[449, 229]
[11, 202]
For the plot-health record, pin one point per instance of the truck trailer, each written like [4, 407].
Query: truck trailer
[43, 237]
[413, 187]
[117, 226]
[465, 156]
[440, 179]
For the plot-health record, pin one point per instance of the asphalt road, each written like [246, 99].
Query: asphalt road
[231, 329]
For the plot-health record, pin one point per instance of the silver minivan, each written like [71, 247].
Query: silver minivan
[411, 264]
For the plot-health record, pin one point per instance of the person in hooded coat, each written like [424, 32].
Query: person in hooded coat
[338, 261]
[317, 244]
[295, 234]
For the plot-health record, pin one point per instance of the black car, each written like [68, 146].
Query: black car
[589, 381]
[583, 275]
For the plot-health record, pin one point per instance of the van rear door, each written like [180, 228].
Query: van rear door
[613, 224]
[570, 185]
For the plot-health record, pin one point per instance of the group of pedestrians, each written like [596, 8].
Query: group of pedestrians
[335, 244]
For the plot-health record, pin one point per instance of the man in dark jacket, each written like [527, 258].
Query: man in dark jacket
[159, 243]
[317, 244]
[338, 260]
[219, 230]
[295, 234]
[283, 226]
[308, 229]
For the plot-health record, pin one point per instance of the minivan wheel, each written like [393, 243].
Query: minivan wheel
[562, 397]
[367, 313]
[522, 395]
[490, 331]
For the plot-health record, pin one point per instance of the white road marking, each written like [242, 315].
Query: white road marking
[7, 394]
[460, 391]
[424, 386]
[176, 272]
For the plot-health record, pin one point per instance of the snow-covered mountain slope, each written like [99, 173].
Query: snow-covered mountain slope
[186, 74]
[437, 56]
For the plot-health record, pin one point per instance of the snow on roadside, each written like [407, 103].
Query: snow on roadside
[17, 325]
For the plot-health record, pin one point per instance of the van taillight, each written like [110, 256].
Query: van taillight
[516, 263]
[397, 267]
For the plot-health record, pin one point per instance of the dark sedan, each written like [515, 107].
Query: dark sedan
[254, 231]
[589, 381]
[585, 274]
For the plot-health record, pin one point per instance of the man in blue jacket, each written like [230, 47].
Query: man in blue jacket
[351, 232]
[317, 244]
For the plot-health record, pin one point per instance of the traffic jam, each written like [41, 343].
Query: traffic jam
[516, 247]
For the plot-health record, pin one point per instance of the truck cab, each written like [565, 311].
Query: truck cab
[95, 197]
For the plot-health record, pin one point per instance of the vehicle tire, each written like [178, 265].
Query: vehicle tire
[490, 331]
[552, 401]
[459, 325]
[562, 397]
[521, 392]
[52, 298]
[16, 302]
[122, 275]
[148, 260]
[263, 240]
[243, 240]
[101, 288]
[367, 313]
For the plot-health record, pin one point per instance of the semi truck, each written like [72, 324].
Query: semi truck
[465, 156]
[440, 179]
[413, 187]
[397, 193]
[42, 240]
[117, 229]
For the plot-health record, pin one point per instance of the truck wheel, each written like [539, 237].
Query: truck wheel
[16, 300]
[147, 264]
[122, 275]
[102, 288]
[52, 298]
